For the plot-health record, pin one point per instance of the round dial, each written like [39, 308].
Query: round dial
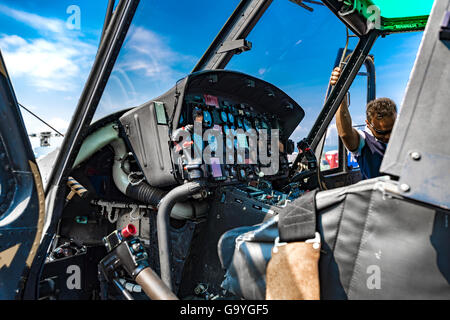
[231, 118]
[223, 116]
[264, 125]
[257, 124]
[242, 173]
[207, 118]
[247, 124]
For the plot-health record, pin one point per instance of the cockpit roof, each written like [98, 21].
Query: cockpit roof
[385, 15]
[404, 8]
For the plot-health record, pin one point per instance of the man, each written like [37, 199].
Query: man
[367, 146]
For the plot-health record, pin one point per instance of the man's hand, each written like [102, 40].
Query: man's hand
[335, 75]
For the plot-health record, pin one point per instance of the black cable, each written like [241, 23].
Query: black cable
[42, 121]
[122, 290]
[314, 2]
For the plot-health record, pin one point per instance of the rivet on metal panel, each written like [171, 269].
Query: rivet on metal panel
[404, 187]
[415, 155]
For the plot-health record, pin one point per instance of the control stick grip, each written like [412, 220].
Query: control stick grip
[128, 231]
[153, 286]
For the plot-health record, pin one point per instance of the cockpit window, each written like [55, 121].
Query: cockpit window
[49, 52]
[295, 49]
[163, 44]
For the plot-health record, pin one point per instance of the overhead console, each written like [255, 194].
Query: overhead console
[221, 126]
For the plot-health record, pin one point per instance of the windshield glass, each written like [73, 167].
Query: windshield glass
[164, 42]
[49, 49]
[295, 49]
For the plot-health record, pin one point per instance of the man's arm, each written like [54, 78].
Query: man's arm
[348, 134]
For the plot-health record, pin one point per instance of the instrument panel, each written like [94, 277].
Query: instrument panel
[230, 132]
[222, 126]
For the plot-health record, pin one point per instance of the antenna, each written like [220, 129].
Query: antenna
[59, 133]
[304, 6]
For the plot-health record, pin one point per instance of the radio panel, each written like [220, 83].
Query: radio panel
[221, 126]
[230, 135]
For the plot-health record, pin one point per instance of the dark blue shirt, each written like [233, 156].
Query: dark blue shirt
[369, 154]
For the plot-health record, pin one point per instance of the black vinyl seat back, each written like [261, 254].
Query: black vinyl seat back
[375, 245]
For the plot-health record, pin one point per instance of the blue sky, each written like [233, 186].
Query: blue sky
[292, 48]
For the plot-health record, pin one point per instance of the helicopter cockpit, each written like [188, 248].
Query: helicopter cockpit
[219, 150]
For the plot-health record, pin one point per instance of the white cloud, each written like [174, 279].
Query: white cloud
[59, 124]
[146, 58]
[55, 61]
[58, 61]
[13, 40]
[299, 133]
[34, 125]
[34, 20]
[149, 53]
[44, 64]
[332, 135]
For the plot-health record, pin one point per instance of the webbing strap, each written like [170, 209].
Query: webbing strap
[297, 221]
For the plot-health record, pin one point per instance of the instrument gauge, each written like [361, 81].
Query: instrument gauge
[223, 116]
[264, 125]
[242, 173]
[239, 123]
[231, 118]
[247, 124]
[207, 118]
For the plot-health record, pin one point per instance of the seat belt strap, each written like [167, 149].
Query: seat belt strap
[297, 221]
